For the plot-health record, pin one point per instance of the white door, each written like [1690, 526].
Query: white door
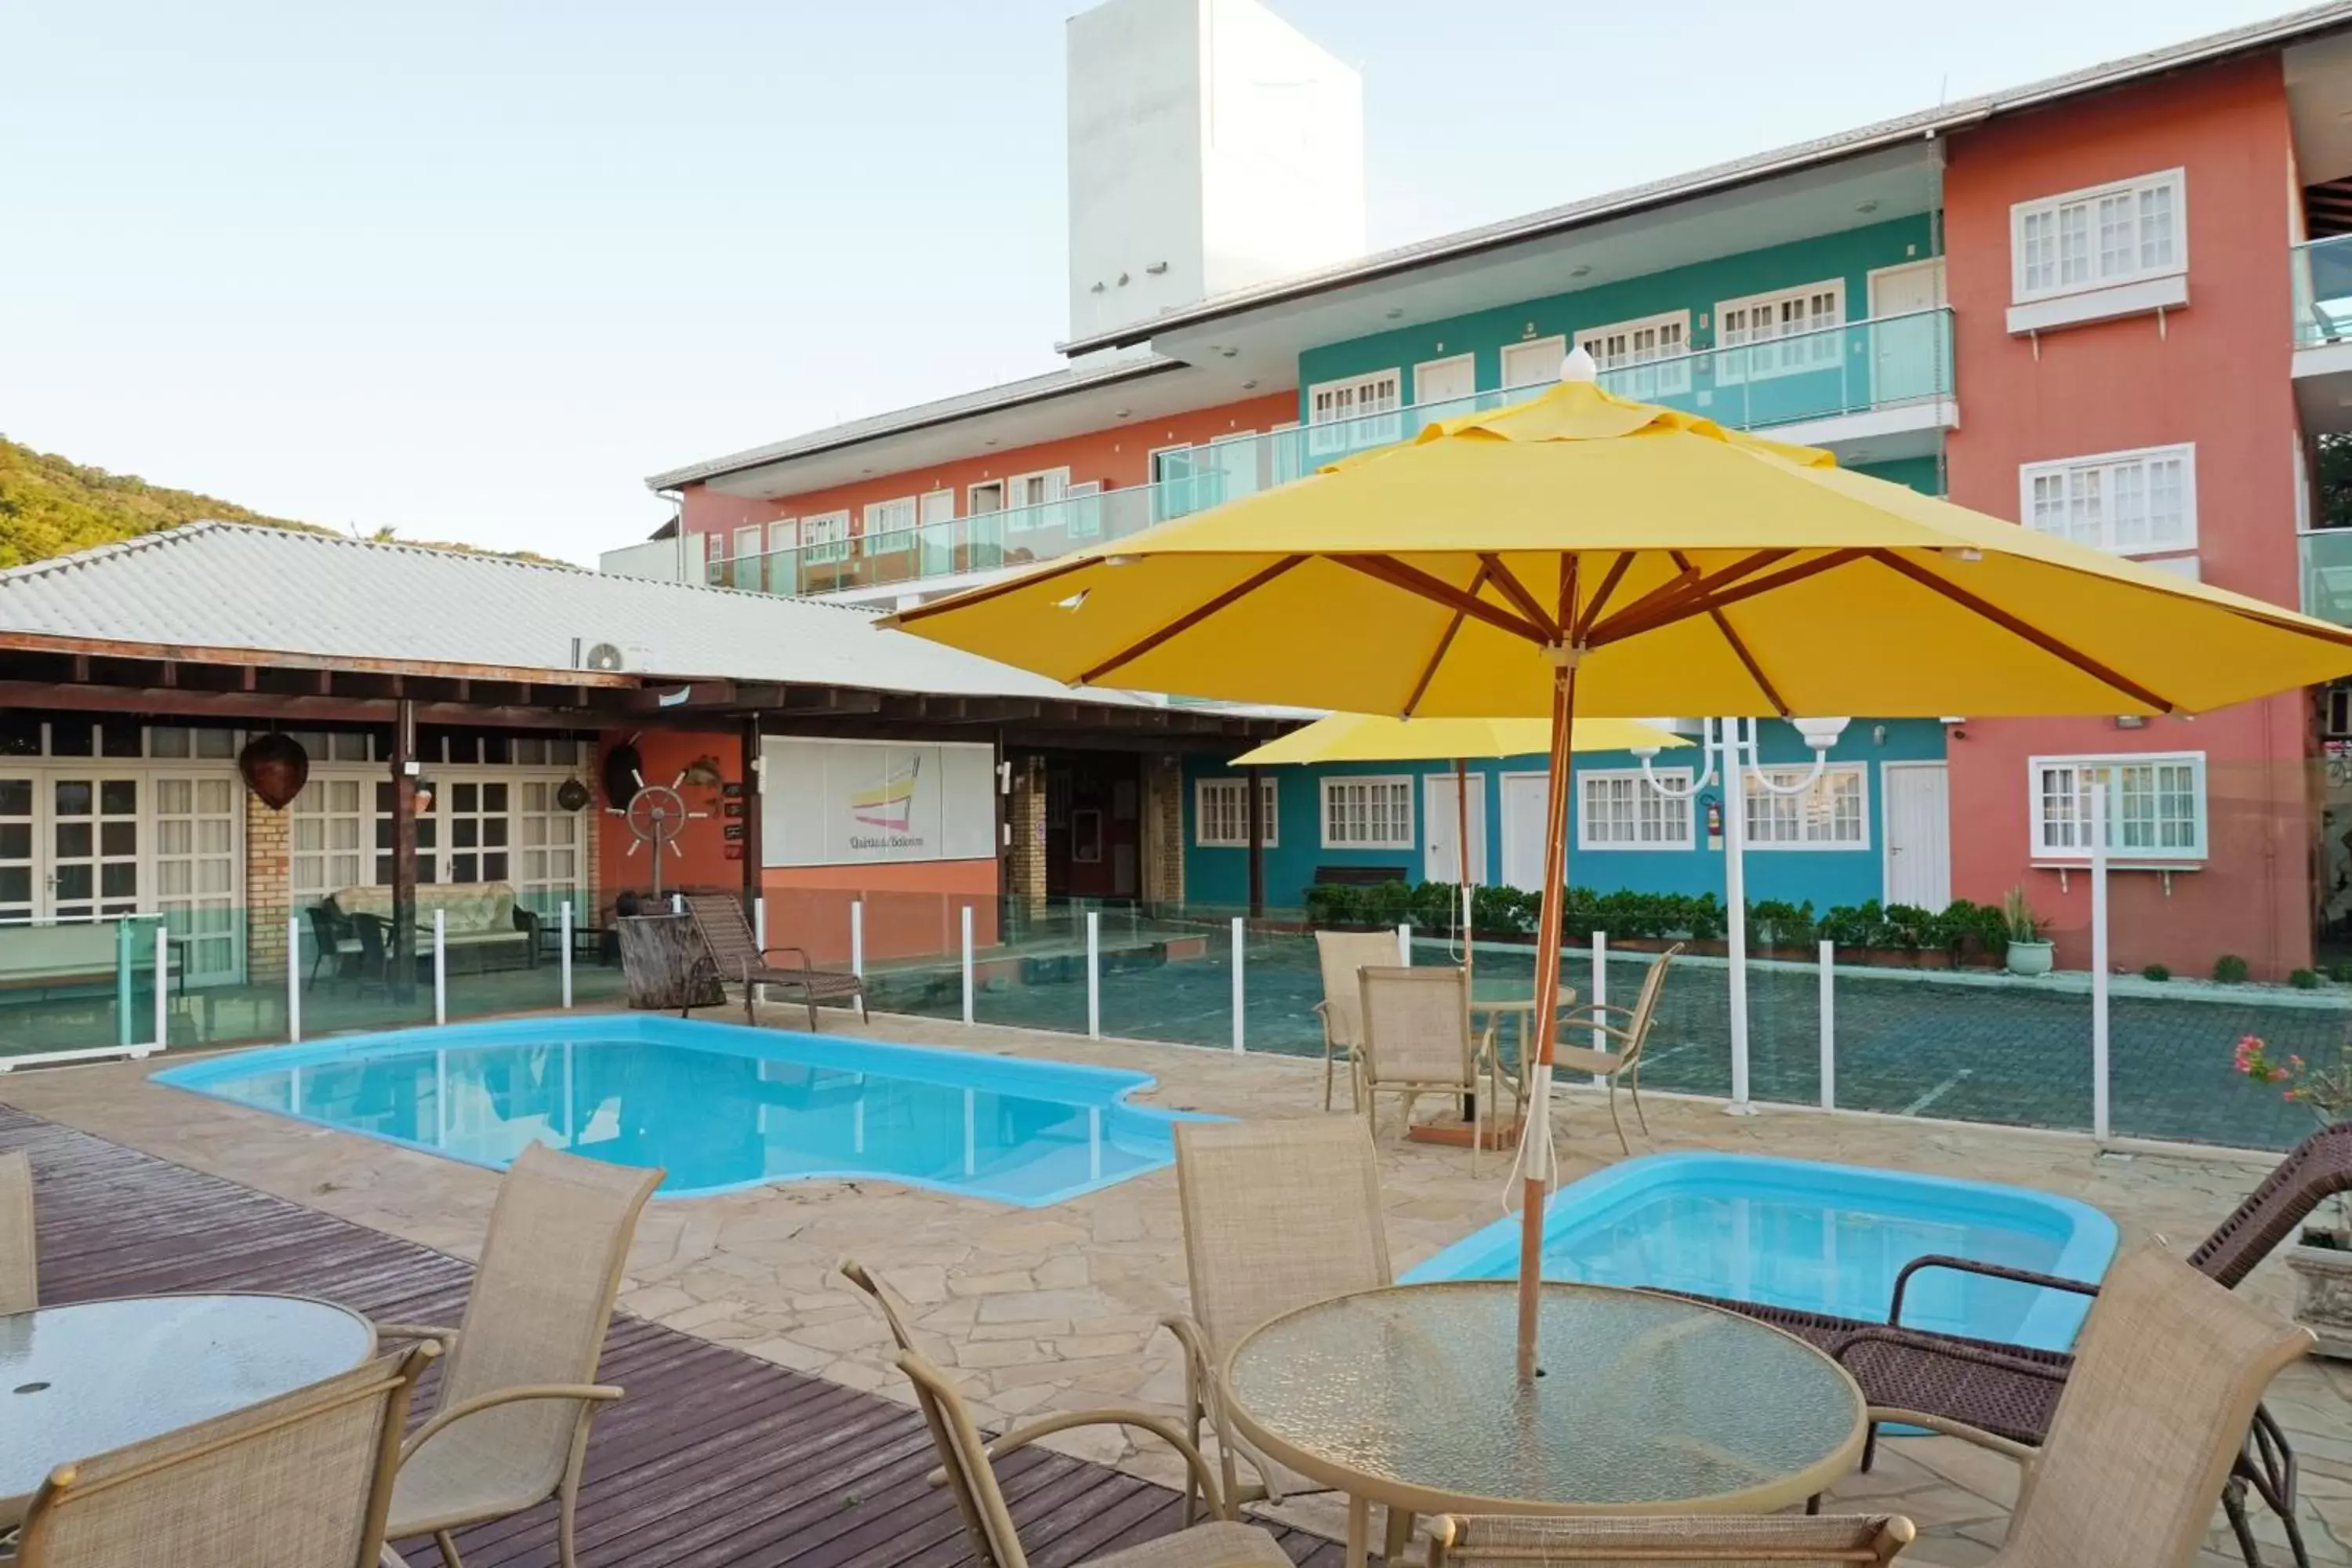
[93, 844]
[938, 553]
[18, 791]
[1443, 382]
[1525, 796]
[195, 861]
[1534, 364]
[1442, 829]
[1918, 833]
[1907, 346]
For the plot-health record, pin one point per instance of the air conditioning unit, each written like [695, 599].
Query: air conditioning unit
[610, 657]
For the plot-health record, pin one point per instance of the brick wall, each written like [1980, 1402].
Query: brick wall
[1163, 830]
[1025, 815]
[269, 837]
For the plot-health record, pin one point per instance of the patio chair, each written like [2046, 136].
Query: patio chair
[19, 1253]
[1341, 1011]
[1223, 1543]
[1278, 1215]
[2167, 1371]
[1417, 1040]
[510, 1429]
[333, 942]
[1624, 1062]
[2013, 1390]
[739, 959]
[299, 1482]
[1784, 1540]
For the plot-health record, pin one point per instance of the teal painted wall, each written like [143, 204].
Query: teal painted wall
[1219, 877]
[1850, 256]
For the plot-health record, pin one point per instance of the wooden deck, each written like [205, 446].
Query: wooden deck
[715, 1458]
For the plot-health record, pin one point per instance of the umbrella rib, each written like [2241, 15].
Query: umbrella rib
[1691, 586]
[1191, 618]
[2017, 628]
[1388, 569]
[1615, 574]
[1437, 655]
[971, 597]
[1739, 648]
[1636, 620]
[1516, 591]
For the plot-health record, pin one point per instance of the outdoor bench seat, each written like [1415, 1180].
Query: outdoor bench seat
[480, 920]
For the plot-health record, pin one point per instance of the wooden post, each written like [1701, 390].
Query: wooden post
[751, 819]
[1256, 842]
[401, 939]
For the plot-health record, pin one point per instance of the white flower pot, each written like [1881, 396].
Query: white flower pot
[2029, 957]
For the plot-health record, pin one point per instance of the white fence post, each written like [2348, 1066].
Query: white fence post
[1829, 1025]
[2099, 1099]
[566, 949]
[966, 963]
[1404, 944]
[1094, 974]
[440, 967]
[294, 979]
[858, 938]
[1599, 995]
[1239, 940]
[162, 985]
[760, 939]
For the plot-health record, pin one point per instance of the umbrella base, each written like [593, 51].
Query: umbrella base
[1456, 1134]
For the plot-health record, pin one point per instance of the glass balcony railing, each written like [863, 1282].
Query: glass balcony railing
[2322, 277]
[1863, 365]
[2327, 574]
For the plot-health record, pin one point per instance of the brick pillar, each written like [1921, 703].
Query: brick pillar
[592, 867]
[1024, 813]
[268, 890]
[1163, 829]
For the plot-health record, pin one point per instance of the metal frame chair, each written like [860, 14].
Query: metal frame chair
[1626, 1062]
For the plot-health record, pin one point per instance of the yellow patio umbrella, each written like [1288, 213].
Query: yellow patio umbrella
[1582, 554]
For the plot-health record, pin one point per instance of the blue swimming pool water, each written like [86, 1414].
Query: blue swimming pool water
[717, 1106]
[1820, 1238]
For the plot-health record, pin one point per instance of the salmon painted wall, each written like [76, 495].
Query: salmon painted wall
[698, 857]
[1119, 458]
[911, 910]
[2216, 374]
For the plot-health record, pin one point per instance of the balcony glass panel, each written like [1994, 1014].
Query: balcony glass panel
[2327, 574]
[2322, 277]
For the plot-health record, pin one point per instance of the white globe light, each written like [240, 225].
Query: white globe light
[1579, 366]
[1820, 734]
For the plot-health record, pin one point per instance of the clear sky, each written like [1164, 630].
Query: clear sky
[471, 268]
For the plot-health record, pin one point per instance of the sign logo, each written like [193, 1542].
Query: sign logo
[889, 805]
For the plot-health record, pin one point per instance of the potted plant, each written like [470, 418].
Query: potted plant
[2029, 952]
[2321, 1260]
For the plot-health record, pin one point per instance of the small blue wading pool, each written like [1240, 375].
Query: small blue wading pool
[1818, 1237]
[717, 1106]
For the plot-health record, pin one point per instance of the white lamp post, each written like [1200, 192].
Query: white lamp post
[1736, 742]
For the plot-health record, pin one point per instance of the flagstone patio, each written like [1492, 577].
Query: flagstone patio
[1055, 1307]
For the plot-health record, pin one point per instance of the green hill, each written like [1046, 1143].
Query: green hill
[51, 507]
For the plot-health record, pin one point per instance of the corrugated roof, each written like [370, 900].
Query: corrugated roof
[2276, 32]
[226, 585]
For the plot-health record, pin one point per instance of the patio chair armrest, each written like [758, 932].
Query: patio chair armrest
[1582, 1022]
[1970, 1266]
[800, 953]
[578, 1393]
[445, 1338]
[1896, 1416]
[1204, 1475]
[1920, 1342]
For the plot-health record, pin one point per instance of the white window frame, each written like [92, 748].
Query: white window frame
[2048, 217]
[1814, 816]
[2096, 481]
[877, 526]
[1666, 813]
[1022, 516]
[1404, 837]
[1745, 354]
[1557, 345]
[1355, 411]
[1237, 788]
[1663, 372]
[2043, 845]
[825, 536]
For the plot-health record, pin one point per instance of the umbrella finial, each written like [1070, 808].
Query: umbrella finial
[1579, 366]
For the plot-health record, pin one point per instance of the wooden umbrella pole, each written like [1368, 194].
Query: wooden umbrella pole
[1547, 946]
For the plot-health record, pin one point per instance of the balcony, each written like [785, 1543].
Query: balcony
[2321, 275]
[1869, 390]
[2327, 574]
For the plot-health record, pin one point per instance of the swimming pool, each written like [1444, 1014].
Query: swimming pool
[720, 1106]
[1814, 1237]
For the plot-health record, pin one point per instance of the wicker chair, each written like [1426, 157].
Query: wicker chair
[299, 1482]
[19, 1253]
[1278, 1215]
[1783, 1541]
[2013, 1391]
[1417, 1040]
[2167, 1372]
[740, 960]
[1624, 1062]
[1220, 1543]
[1341, 1012]
[511, 1428]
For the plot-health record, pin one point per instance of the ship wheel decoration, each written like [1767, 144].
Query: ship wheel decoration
[656, 815]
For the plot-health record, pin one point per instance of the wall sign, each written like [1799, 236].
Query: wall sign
[833, 803]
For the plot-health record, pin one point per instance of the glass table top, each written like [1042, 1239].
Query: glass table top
[1645, 1399]
[80, 1380]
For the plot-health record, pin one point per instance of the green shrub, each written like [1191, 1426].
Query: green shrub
[1776, 922]
[2230, 969]
[2340, 972]
[2303, 980]
[2155, 971]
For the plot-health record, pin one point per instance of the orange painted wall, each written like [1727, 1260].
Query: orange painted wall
[1119, 458]
[698, 859]
[2217, 374]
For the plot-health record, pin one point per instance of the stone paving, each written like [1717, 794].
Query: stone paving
[1052, 1308]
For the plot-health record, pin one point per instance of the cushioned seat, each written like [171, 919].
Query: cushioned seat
[478, 916]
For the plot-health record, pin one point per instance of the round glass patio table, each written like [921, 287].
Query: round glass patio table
[81, 1379]
[1409, 1397]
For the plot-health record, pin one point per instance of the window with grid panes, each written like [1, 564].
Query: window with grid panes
[1368, 814]
[330, 828]
[1629, 352]
[1832, 814]
[1220, 813]
[2154, 804]
[1779, 334]
[1360, 411]
[547, 844]
[2095, 239]
[477, 827]
[1620, 810]
[2130, 503]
